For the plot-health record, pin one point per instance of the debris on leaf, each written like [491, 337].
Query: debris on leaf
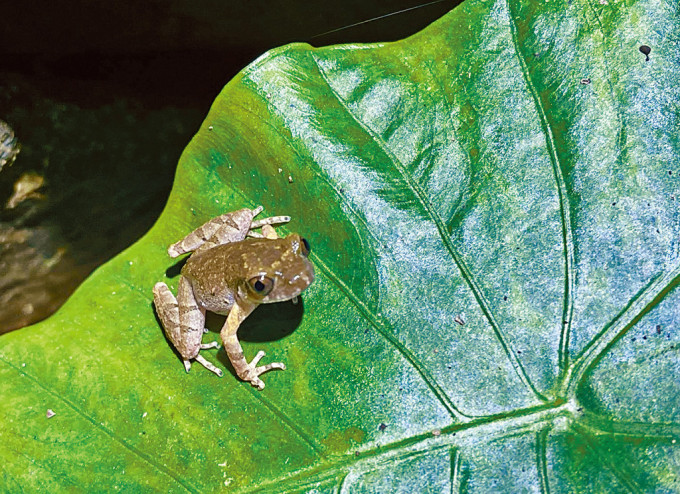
[645, 50]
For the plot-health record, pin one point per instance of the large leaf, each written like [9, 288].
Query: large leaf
[492, 207]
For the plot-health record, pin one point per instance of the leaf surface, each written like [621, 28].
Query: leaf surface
[493, 211]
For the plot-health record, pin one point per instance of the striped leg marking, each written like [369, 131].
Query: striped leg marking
[183, 322]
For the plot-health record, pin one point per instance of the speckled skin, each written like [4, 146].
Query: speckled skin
[219, 275]
[230, 274]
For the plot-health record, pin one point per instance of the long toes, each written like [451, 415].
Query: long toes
[208, 365]
[274, 365]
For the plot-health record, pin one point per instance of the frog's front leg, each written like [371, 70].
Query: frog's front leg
[249, 372]
[183, 321]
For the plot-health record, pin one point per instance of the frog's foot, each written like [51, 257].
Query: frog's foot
[265, 225]
[251, 372]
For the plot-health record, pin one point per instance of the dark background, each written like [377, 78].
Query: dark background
[103, 97]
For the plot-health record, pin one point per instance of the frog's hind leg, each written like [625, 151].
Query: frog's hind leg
[229, 227]
[183, 323]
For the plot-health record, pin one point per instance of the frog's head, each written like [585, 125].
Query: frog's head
[278, 269]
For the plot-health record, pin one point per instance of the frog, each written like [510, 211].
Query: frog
[232, 269]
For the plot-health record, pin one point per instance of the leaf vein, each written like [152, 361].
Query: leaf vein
[567, 234]
[98, 426]
[643, 302]
[380, 326]
[424, 202]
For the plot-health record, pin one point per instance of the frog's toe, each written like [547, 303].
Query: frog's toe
[208, 365]
[256, 382]
[274, 365]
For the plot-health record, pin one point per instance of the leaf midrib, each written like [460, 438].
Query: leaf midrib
[527, 419]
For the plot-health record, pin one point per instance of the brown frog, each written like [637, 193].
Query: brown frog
[231, 274]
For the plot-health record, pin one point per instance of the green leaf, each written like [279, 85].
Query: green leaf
[493, 211]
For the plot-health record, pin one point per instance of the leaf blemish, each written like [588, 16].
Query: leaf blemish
[645, 50]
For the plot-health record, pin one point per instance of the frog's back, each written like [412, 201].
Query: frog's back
[215, 275]
[236, 260]
[223, 261]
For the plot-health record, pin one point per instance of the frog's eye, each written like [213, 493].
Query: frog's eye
[261, 285]
[305, 248]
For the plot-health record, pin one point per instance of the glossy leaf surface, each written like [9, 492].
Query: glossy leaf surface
[492, 206]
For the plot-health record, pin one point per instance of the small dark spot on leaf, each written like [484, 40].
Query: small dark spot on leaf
[670, 172]
[585, 81]
[613, 203]
[645, 50]
[382, 426]
[356, 453]
[658, 329]
[505, 297]
[579, 409]
[519, 352]
[657, 231]
[644, 337]
[634, 339]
